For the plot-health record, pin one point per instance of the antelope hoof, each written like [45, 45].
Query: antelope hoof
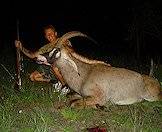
[77, 104]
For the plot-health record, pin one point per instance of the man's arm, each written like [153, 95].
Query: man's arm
[25, 51]
[46, 48]
[32, 55]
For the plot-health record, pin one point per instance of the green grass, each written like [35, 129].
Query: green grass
[39, 109]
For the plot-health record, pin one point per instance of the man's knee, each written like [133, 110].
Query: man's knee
[34, 76]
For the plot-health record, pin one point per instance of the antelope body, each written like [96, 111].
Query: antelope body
[98, 82]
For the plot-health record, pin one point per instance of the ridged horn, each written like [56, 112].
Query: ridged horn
[71, 35]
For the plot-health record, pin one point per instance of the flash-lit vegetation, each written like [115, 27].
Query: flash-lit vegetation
[39, 108]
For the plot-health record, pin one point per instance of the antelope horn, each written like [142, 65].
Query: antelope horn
[71, 35]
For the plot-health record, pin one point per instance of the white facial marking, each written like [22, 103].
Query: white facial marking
[51, 53]
[58, 54]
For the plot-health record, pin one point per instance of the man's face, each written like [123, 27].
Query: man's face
[50, 35]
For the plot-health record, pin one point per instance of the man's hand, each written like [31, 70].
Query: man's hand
[18, 44]
[60, 88]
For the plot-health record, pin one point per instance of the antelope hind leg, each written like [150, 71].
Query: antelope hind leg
[153, 87]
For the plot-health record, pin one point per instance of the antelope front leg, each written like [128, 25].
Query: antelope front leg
[92, 95]
[85, 102]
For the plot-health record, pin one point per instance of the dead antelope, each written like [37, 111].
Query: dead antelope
[98, 82]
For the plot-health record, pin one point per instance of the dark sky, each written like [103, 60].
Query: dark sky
[108, 23]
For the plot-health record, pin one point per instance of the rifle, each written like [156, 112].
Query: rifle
[18, 63]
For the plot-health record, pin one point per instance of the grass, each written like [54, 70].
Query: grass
[39, 109]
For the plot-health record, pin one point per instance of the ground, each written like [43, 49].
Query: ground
[38, 107]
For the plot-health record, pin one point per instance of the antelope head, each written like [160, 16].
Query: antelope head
[42, 59]
[49, 58]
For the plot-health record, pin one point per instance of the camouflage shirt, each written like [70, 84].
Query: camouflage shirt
[48, 47]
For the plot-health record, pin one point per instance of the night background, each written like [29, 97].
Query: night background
[131, 28]
[128, 34]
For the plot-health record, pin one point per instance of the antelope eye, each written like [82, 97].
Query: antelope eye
[56, 51]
